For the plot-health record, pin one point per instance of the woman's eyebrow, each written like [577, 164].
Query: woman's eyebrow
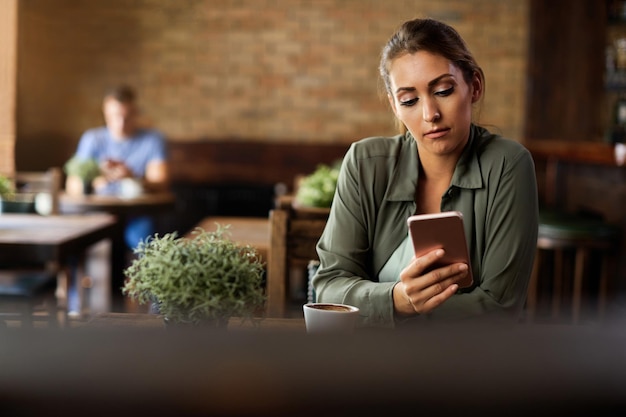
[436, 80]
[401, 89]
[430, 83]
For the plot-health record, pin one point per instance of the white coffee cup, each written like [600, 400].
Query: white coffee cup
[130, 188]
[330, 317]
[620, 153]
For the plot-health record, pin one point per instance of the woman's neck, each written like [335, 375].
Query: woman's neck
[433, 181]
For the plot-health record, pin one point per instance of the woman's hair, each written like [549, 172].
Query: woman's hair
[431, 36]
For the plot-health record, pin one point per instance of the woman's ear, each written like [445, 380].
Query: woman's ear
[477, 88]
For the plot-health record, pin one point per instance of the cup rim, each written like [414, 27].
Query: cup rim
[353, 309]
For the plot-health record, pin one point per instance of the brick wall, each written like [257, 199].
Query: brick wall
[266, 70]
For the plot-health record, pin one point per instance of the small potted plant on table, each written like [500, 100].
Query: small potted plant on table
[13, 202]
[7, 190]
[204, 279]
[85, 169]
[316, 190]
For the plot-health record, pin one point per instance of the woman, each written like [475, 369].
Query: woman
[442, 162]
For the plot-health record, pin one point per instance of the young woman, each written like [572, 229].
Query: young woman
[442, 162]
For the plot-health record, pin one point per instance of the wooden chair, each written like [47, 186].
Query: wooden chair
[294, 232]
[48, 183]
[26, 290]
[562, 233]
[573, 237]
[28, 295]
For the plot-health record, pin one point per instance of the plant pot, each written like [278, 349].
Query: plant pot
[19, 203]
[87, 187]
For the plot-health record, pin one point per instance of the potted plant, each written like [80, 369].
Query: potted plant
[204, 279]
[13, 202]
[317, 189]
[85, 169]
[7, 189]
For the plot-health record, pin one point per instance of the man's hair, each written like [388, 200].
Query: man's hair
[122, 93]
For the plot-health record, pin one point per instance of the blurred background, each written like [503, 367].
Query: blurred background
[268, 71]
[296, 82]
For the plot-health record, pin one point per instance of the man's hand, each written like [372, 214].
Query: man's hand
[114, 170]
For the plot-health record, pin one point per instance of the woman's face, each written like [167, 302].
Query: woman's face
[432, 99]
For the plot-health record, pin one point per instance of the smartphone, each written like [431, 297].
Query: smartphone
[441, 230]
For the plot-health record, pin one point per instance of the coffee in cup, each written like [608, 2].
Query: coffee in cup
[330, 317]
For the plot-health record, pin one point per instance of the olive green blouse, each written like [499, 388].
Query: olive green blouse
[493, 185]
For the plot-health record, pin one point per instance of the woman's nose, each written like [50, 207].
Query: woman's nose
[431, 112]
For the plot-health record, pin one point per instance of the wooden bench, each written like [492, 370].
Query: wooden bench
[231, 177]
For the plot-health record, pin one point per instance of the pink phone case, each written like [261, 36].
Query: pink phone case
[441, 230]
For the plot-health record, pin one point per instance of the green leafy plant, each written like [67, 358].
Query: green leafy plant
[12, 200]
[199, 279]
[7, 188]
[318, 188]
[86, 169]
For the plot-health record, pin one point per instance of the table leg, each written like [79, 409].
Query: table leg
[62, 290]
[118, 264]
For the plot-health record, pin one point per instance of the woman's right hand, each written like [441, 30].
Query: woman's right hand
[420, 291]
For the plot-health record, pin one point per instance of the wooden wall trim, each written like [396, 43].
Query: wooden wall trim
[246, 162]
[597, 153]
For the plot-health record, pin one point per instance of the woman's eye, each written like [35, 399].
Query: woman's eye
[408, 103]
[445, 93]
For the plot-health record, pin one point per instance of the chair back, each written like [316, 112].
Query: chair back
[25, 288]
[47, 182]
[294, 233]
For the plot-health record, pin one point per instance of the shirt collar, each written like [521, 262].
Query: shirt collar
[467, 173]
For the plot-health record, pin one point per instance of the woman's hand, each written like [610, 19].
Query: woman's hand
[419, 292]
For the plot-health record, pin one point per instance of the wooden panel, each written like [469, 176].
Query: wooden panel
[565, 70]
[568, 151]
[246, 162]
[294, 235]
[551, 157]
[276, 285]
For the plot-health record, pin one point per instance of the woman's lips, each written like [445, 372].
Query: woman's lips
[436, 133]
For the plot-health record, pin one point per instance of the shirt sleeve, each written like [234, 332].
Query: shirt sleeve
[87, 146]
[158, 150]
[510, 245]
[345, 254]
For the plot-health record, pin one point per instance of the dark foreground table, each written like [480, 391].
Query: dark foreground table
[485, 370]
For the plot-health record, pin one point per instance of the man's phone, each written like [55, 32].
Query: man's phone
[441, 231]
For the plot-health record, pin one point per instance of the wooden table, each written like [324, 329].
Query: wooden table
[52, 239]
[148, 203]
[122, 208]
[253, 231]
